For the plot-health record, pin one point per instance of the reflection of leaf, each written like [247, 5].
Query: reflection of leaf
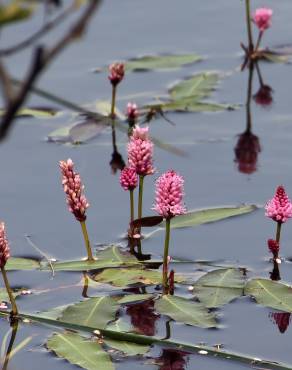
[150, 62]
[186, 311]
[17, 263]
[37, 112]
[274, 57]
[86, 130]
[130, 349]
[94, 312]
[14, 12]
[80, 351]
[125, 277]
[270, 294]
[209, 215]
[219, 287]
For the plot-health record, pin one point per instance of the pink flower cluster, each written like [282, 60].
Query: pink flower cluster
[128, 178]
[73, 188]
[4, 246]
[279, 208]
[116, 73]
[262, 18]
[132, 111]
[169, 195]
[140, 151]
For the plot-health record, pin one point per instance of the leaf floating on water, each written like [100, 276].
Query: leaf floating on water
[159, 62]
[37, 112]
[125, 277]
[192, 105]
[14, 12]
[270, 294]
[218, 287]
[116, 254]
[94, 312]
[129, 349]
[80, 351]
[17, 263]
[119, 325]
[133, 298]
[186, 311]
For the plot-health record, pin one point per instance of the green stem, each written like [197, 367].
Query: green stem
[9, 291]
[140, 199]
[132, 205]
[114, 93]
[165, 255]
[278, 233]
[259, 40]
[11, 343]
[248, 24]
[87, 242]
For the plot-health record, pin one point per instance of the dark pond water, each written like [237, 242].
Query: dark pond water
[32, 201]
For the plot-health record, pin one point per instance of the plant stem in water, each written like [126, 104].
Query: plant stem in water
[278, 234]
[248, 24]
[9, 291]
[132, 205]
[11, 343]
[165, 262]
[114, 92]
[87, 242]
[140, 207]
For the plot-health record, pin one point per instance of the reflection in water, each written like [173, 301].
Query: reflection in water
[117, 162]
[143, 317]
[14, 327]
[281, 319]
[275, 273]
[248, 145]
[171, 359]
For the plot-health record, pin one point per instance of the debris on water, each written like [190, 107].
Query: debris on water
[203, 352]
[3, 306]
[190, 288]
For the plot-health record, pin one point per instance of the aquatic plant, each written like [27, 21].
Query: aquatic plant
[129, 181]
[116, 75]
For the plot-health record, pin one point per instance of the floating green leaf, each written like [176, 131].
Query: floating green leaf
[204, 216]
[186, 311]
[119, 325]
[132, 298]
[192, 105]
[117, 255]
[94, 312]
[38, 112]
[80, 351]
[160, 62]
[4, 296]
[125, 277]
[130, 349]
[17, 263]
[270, 294]
[219, 287]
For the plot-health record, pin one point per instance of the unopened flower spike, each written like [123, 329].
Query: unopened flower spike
[76, 200]
[4, 256]
[116, 75]
[132, 114]
[140, 157]
[168, 204]
[279, 209]
[129, 181]
[262, 18]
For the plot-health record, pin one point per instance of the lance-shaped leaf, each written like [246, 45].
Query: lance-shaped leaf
[161, 62]
[94, 312]
[133, 298]
[14, 12]
[129, 349]
[36, 112]
[270, 294]
[186, 311]
[18, 263]
[125, 277]
[80, 351]
[193, 105]
[219, 287]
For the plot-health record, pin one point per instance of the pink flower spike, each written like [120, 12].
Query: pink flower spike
[262, 18]
[128, 178]
[279, 208]
[132, 111]
[140, 151]
[4, 246]
[169, 195]
[73, 188]
[116, 73]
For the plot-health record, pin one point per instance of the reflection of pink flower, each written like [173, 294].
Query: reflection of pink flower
[279, 208]
[143, 317]
[282, 319]
[264, 96]
[140, 151]
[262, 18]
[116, 73]
[73, 189]
[169, 195]
[132, 111]
[246, 152]
[128, 178]
[172, 359]
[4, 246]
[274, 247]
